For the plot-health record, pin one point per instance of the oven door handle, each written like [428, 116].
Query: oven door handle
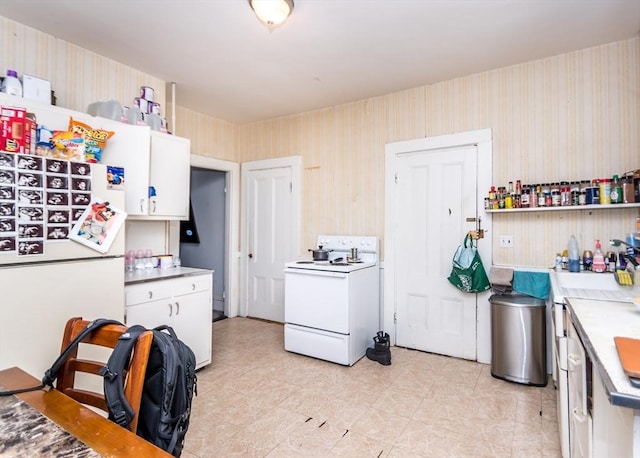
[311, 272]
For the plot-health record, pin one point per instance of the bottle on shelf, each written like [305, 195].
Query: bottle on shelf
[599, 264]
[628, 193]
[533, 199]
[565, 194]
[501, 195]
[525, 198]
[616, 190]
[11, 84]
[605, 191]
[493, 198]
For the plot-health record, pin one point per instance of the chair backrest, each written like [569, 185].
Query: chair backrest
[105, 336]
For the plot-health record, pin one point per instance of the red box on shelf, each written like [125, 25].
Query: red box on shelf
[12, 129]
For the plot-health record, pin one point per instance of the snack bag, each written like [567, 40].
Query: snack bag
[94, 139]
[68, 145]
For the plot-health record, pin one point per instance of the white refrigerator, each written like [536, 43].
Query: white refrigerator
[46, 278]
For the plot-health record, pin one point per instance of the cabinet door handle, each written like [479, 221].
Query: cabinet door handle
[193, 286]
[170, 309]
[154, 206]
[177, 308]
[150, 294]
[141, 205]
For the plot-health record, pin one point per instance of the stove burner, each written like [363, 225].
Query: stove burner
[340, 263]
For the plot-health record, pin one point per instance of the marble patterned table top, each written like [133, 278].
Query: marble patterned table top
[26, 433]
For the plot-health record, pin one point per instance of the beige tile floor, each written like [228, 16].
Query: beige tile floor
[257, 400]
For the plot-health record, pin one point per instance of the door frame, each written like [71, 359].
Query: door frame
[232, 217]
[481, 139]
[295, 163]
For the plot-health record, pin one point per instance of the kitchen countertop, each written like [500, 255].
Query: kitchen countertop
[146, 275]
[597, 323]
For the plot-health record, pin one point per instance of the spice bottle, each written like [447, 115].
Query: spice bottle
[544, 196]
[628, 194]
[565, 194]
[525, 198]
[501, 195]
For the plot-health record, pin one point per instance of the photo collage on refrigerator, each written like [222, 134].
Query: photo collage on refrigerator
[40, 200]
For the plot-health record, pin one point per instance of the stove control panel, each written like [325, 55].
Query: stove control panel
[364, 244]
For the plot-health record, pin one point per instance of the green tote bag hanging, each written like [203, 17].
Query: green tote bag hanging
[467, 273]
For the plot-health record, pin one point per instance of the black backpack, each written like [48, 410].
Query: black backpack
[169, 386]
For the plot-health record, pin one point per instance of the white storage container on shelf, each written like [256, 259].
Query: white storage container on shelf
[11, 84]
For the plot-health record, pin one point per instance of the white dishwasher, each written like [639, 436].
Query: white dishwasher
[332, 307]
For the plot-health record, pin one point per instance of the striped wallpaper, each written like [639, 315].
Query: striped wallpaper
[568, 117]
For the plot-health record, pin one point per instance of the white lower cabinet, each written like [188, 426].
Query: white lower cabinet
[613, 426]
[579, 373]
[183, 303]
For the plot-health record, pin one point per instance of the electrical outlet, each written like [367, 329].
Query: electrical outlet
[506, 241]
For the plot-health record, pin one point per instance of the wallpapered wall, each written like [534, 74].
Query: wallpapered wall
[568, 117]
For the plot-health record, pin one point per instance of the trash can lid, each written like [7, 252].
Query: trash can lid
[516, 300]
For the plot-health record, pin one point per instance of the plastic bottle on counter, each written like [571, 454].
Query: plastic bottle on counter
[558, 262]
[599, 264]
[574, 255]
[11, 84]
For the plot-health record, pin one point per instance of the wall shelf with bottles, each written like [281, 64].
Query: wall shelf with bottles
[565, 208]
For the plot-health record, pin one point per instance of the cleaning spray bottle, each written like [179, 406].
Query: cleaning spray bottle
[598, 259]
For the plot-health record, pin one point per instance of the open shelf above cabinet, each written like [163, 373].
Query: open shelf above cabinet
[566, 208]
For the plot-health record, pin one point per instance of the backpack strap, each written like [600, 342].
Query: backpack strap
[52, 373]
[120, 411]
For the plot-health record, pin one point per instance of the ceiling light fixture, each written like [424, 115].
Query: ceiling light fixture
[272, 12]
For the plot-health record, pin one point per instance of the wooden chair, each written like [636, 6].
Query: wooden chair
[106, 336]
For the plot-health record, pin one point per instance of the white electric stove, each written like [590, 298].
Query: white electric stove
[332, 308]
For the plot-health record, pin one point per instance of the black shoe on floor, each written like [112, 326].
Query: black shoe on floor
[383, 357]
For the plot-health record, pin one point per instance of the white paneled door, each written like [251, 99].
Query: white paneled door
[272, 232]
[434, 205]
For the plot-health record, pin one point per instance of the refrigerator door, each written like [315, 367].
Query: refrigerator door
[61, 249]
[37, 300]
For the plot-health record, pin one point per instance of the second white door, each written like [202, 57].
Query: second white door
[272, 228]
[433, 203]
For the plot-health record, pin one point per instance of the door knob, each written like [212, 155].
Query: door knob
[250, 255]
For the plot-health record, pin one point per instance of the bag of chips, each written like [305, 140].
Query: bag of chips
[94, 139]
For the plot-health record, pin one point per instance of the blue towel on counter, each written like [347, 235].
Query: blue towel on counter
[536, 284]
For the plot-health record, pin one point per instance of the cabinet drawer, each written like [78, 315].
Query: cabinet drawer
[192, 284]
[145, 293]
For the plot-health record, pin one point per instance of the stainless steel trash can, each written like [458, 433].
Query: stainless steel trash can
[518, 339]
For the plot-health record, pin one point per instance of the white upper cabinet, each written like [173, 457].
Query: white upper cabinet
[156, 171]
[170, 171]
